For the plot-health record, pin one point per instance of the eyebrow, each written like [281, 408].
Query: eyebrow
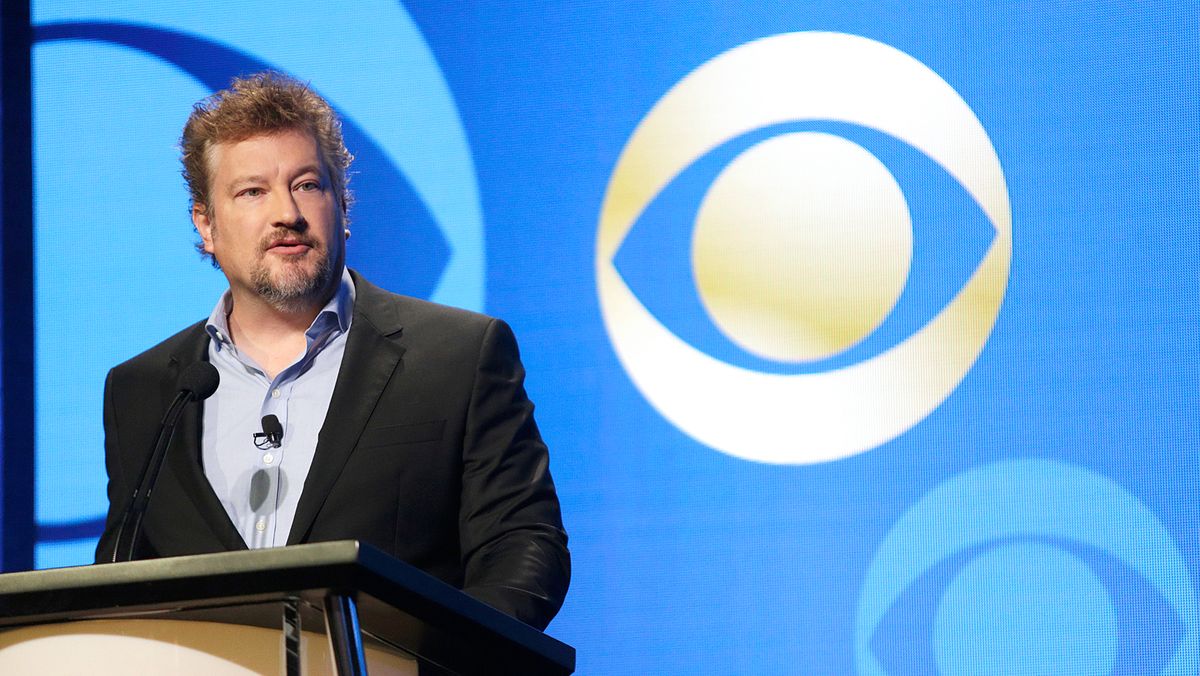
[259, 178]
[243, 180]
[309, 169]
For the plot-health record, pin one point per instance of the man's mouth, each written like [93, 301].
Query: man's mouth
[289, 247]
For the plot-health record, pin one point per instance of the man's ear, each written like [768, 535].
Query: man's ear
[203, 222]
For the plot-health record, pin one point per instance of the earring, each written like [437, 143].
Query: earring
[347, 230]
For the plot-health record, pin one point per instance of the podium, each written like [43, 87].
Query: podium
[365, 601]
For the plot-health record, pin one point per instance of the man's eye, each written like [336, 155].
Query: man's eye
[309, 186]
[250, 192]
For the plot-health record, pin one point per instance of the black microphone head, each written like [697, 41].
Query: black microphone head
[200, 380]
[272, 427]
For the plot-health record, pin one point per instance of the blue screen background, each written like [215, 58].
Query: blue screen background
[487, 136]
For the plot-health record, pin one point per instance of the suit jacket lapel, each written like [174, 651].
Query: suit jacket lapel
[370, 358]
[183, 455]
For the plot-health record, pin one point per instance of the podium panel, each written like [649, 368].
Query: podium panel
[185, 648]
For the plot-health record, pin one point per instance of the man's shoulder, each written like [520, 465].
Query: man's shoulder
[416, 311]
[390, 311]
[184, 344]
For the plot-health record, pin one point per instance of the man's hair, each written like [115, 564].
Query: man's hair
[263, 103]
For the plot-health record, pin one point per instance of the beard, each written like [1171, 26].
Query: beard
[293, 284]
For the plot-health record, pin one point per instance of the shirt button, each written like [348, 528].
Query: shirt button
[275, 393]
[268, 458]
[260, 526]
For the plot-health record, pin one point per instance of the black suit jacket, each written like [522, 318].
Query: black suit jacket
[429, 451]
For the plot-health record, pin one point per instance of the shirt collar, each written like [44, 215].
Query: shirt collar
[340, 308]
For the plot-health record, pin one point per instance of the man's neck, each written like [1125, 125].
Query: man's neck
[272, 337]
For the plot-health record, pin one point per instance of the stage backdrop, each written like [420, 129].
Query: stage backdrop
[863, 335]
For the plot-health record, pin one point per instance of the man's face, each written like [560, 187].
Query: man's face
[275, 226]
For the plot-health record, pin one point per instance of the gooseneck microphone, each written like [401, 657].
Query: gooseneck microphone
[197, 383]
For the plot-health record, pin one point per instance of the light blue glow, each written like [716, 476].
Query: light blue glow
[65, 553]
[1026, 497]
[1024, 610]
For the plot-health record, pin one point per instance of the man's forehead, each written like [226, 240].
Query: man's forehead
[242, 156]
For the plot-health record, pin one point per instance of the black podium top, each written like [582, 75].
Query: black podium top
[398, 604]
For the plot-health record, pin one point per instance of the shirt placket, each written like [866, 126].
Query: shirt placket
[276, 402]
[270, 459]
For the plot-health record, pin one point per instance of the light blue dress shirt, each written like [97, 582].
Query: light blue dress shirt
[260, 488]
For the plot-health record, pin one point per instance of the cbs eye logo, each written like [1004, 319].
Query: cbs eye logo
[802, 248]
[1027, 567]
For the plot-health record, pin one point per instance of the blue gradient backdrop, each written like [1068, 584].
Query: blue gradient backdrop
[486, 135]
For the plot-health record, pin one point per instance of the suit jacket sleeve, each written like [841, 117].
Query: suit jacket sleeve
[118, 496]
[512, 540]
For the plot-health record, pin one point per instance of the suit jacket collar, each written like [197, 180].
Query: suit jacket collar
[371, 357]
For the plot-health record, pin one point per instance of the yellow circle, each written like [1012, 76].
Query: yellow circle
[802, 246]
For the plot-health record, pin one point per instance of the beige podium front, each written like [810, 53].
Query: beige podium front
[187, 648]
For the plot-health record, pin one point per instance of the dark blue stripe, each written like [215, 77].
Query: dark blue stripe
[70, 530]
[16, 280]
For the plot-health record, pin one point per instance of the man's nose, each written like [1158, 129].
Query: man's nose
[285, 213]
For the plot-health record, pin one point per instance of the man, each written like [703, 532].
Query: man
[405, 423]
